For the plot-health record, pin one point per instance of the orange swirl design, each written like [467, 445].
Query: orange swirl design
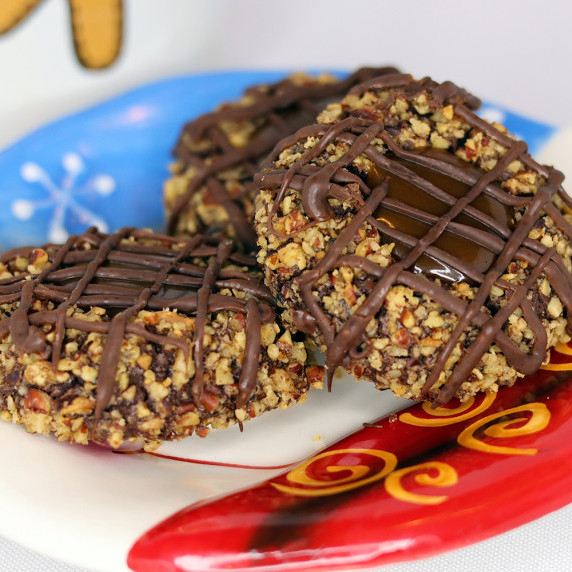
[563, 349]
[358, 474]
[504, 429]
[448, 416]
[446, 476]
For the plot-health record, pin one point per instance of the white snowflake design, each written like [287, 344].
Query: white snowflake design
[62, 197]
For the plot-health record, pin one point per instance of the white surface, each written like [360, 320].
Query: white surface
[516, 53]
[87, 505]
[558, 152]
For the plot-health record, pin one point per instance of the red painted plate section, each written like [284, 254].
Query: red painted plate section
[418, 483]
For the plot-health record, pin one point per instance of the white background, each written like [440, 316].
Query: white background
[515, 53]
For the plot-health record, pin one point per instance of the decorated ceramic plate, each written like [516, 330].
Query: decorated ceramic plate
[307, 488]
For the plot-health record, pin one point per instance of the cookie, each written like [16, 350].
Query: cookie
[218, 153]
[133, 338]
[422, 248]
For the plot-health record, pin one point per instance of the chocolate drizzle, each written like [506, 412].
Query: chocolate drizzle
[482, 215]
[412, 210]
[281, 109]
[124, 273]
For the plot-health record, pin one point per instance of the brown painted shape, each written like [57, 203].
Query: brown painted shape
[12, 12]
[97, 27]
[97, 31]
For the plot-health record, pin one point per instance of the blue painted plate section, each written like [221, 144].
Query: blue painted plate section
[105, 166]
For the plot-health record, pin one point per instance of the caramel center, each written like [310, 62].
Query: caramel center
[410, 198]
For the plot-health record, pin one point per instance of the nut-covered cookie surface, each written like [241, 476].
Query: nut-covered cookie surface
[218, 153]
[421, 246]
[132, 338]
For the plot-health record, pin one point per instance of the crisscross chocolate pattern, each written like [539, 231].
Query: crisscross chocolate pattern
[124, 273]
[279, 109]
[506, 242]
